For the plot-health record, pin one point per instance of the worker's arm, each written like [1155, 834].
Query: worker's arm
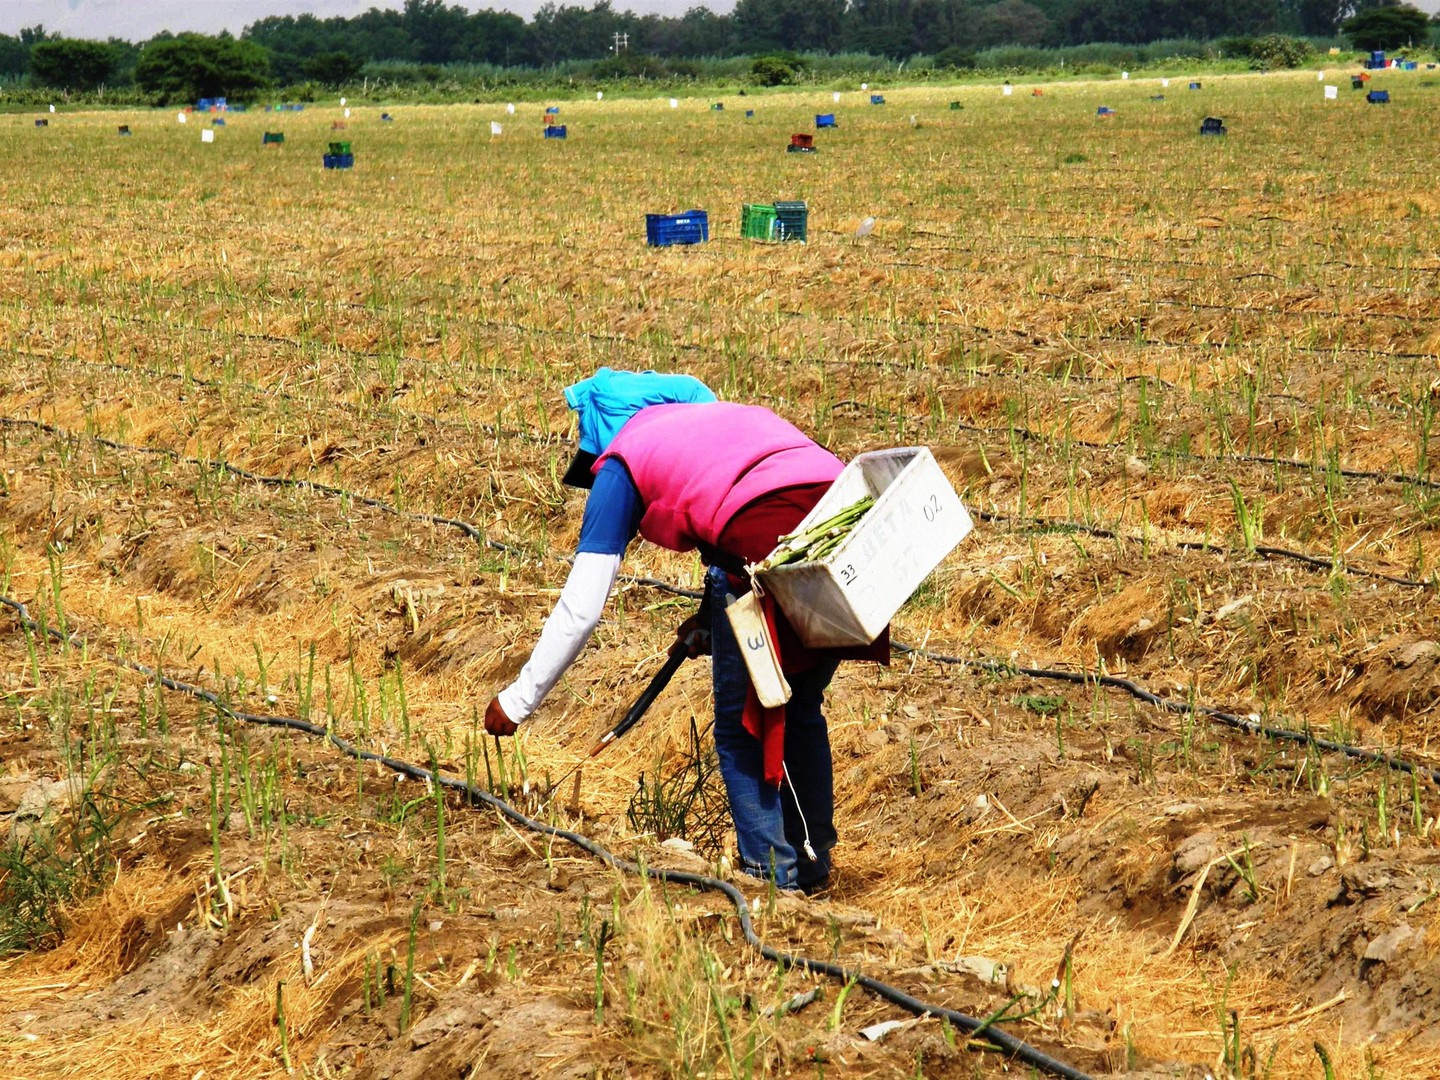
[612, 517]
[568, 628]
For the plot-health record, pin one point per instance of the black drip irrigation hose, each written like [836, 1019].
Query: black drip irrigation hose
[1265, 550]
[1251, 725]
[1017, 1048]
[472, 531]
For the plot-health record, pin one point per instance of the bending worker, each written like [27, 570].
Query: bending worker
[662, 457]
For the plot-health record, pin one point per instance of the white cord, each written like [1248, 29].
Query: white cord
[809, 851]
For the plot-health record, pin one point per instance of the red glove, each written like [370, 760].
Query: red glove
[496, 722]
[693, 635]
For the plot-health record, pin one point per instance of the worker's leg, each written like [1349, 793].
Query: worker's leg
[810, 810]
[755, 805]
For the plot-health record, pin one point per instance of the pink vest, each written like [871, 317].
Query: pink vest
[697, 466]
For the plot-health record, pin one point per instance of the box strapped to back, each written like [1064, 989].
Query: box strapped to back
[850, 591]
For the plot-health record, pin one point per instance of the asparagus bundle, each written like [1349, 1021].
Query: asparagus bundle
[818, 540]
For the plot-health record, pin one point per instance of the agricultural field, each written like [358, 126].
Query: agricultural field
[293, 438]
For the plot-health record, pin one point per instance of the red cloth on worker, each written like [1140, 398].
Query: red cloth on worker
[751, 535]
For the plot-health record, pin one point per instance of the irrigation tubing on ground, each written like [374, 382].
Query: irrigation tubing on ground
[1003, 1040]
[1251, 725]
[473, 532]
[1264, 550]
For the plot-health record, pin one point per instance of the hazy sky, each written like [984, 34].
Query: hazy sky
[136, 20]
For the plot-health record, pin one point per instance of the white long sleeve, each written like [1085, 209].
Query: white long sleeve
[576, 614]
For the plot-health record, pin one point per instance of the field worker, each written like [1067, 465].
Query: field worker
[662, 457]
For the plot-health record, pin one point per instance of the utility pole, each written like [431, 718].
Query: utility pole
[622, 41]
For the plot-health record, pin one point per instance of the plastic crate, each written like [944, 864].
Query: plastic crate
[552, 110]
[1157, 97]
[719, 106]
[1104, 110]
[217, 122]
[1378, 97]
[850, 596]
[387, 118]
[338, 148]
[802, 141]
[272, 138]
[554, 131]
[757, 221]
[1213, 125]
[42, 123]
[749, 112]
[825, 120]
[339, 161]
[124, 129]
[791, 220]
[956, 105]
[1194, 86]
[877, 99]
[666, 230]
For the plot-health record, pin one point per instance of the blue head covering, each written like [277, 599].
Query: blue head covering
[607, 399]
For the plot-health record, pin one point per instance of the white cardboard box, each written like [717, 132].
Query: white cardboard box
[850, 596]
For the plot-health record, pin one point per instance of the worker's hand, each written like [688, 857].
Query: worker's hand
[694, 634]
[496, 722]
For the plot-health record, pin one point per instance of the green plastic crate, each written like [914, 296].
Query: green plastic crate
[337, 148]
[791, 221]
[757, 221]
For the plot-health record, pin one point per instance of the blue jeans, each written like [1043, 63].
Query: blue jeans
[771, 824]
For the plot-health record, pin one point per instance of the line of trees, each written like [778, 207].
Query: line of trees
[426, 35]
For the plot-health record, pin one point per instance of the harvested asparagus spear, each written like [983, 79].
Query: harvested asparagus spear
[818, 540]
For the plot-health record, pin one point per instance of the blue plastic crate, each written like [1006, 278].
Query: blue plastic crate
[824, 120]
[387, 118]
[217, 122]
[1378, 97]
[749, 112]
[1213, 125]
[1194, 86]
[877, 99]
[42, 123]
[339, 161]
[1104, 110]
[555, 131]
[552, 110]
[665, 230]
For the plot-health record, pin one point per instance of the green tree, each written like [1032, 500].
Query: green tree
[332, 68]
[1387, 27]
[192, 66]
[72, 64]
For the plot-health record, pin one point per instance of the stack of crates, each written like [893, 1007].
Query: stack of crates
[779, 220]
[1377, 59]
[667, 230]
[338, 156]
[272, 138]
[1357, 82]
